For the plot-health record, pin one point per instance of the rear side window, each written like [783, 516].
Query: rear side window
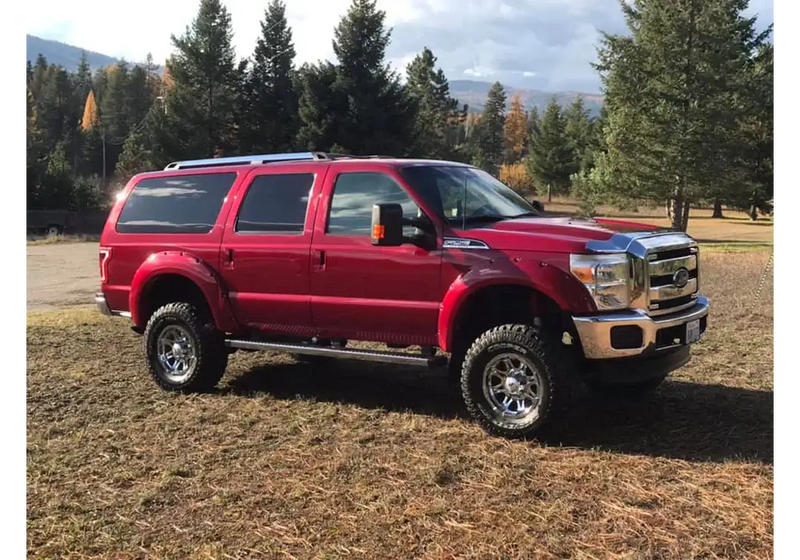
[276, 204]
[180, 204]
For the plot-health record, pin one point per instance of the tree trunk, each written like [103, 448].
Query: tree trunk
[549, 193]
[717, 209]
[676, 218]
[685, 217]
[753, 212]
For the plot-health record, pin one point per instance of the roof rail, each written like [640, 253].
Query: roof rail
[260, 159]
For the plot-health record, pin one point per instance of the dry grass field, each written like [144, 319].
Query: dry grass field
[366, 461]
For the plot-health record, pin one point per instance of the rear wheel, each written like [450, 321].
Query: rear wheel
[184, 349]
[515, 380]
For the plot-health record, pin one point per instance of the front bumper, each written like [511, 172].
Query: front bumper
[596, 337]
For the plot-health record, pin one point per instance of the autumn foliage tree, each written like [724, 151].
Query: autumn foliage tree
[515, 130]
[89, 120]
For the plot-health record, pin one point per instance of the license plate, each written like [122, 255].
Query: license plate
[692, 331]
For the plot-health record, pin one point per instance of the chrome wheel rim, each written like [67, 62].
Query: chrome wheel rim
[176, 353]
[512, 385]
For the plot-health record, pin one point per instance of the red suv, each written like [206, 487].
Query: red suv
[438, 261]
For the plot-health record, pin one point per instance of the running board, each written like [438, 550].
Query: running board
[349, 353]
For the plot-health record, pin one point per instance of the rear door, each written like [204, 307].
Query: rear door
[265, 248]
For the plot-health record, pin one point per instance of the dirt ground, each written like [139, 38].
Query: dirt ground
[61, 275]
[355, 460]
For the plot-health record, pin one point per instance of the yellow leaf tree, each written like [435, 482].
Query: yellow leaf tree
[89, 113]
[516, 127]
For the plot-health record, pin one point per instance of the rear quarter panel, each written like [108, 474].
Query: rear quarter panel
[131, 250]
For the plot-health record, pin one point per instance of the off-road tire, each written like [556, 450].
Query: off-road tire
[627, 390]
[209, 344]
[555, 368]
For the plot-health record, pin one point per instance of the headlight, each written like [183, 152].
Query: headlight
[607, 277]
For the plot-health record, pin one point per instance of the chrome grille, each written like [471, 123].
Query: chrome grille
[672, 279]
[657, 257]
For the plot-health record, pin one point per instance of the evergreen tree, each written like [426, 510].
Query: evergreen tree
[83, 78]
[377, 117]
[270, 121]
[139, 97]
[551, 159]
[113, 114]
[516, 129]
[674, 128]
[206, 80]
[490, 134]
[135, 157]
[578, 133]
[534, 122]
[320, 107]
[436, 113]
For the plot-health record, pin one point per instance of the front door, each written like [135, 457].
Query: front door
[265, 248]
[363, 292]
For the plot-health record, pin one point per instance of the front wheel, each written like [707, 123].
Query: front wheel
[184, 350]
[514, 380]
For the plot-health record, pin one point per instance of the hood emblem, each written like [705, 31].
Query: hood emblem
[680, 278]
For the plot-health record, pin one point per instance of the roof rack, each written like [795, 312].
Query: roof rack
[266, 158]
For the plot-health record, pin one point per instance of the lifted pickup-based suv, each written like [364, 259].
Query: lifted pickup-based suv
[438, 261]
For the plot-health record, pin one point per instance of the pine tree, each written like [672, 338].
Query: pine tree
[674, 129]
[516, 129]
[90, 118]
[113, 114]
[578, 133]
[139, 97]
[135, 157]
[551, 162]
[377, 119]
[206, 79]
[320, 107]
[534, 122]
[490, 133]
[270, 122]
[436, 113]
[83, 78]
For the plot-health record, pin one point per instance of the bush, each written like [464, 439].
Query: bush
[516, 177]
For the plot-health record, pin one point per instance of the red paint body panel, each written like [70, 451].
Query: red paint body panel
[341, 286]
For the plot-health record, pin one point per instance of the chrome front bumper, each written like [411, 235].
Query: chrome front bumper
[595, 331]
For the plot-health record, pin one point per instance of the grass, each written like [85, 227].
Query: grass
[359, 460]
[57, 239]
[734, 229]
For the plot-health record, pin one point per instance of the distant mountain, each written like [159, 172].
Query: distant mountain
[66, 55]
[474, 92]
[471, 92]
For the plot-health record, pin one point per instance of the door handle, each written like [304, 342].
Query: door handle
[228, 259]
[319, 266]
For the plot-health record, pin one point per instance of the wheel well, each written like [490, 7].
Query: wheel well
[504, 304]
[170, 288]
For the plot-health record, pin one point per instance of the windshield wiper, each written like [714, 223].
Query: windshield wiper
[524, 215]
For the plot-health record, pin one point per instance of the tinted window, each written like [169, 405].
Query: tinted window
[353, 197]
[181, 204]
[276, 203]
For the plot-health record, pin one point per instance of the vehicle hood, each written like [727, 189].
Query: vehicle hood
[557, 235]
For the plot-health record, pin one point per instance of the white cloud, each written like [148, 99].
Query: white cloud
[478, 38]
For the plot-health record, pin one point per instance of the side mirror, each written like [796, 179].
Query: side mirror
[387, 225]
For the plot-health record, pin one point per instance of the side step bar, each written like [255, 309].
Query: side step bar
[350, 353]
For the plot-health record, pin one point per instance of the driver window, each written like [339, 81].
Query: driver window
[355, 193]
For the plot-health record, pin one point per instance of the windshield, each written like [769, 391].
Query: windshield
[465, 195]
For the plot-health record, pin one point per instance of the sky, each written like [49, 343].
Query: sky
[539, 44]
